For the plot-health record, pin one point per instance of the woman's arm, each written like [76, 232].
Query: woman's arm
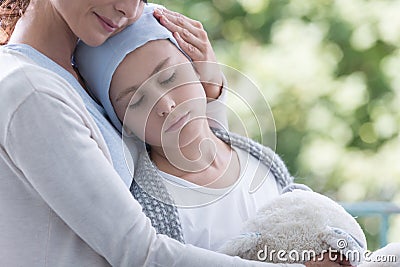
[50, 141]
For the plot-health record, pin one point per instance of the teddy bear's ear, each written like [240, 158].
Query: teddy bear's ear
[294, 186]
[346, 244]
[242, 245]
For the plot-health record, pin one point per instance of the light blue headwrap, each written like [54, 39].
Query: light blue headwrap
[98, 64]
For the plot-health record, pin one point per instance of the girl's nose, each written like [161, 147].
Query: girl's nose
[165, 105]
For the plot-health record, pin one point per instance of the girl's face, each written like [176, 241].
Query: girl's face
[157, 94]
[93, 21]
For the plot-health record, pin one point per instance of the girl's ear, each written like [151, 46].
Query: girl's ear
[196, 71]
[197, 74]
[127, 132]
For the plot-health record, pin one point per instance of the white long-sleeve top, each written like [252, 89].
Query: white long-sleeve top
[61, 201]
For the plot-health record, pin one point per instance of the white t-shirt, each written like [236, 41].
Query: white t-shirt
[210, 217]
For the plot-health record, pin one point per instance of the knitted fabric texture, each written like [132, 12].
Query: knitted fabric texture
[149, 189]
[264, 154]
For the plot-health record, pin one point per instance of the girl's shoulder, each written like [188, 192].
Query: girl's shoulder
[264, 154]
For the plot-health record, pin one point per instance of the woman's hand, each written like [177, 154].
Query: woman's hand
[328, 259]
[193, 40]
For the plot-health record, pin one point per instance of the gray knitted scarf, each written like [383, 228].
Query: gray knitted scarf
[149, 189]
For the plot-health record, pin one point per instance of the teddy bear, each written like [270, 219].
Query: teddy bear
[300, 225]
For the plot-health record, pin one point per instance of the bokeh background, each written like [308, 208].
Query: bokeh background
[330, 73]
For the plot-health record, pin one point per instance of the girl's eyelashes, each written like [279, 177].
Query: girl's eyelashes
[169, 80]
[165, 82]
[137, 103]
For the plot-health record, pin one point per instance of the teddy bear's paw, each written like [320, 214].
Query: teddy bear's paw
[346, 244]
[243, 245]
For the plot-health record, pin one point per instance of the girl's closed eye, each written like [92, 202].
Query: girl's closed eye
[170, 79]
[136, 103]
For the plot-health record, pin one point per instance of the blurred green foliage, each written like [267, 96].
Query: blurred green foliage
[329, 71]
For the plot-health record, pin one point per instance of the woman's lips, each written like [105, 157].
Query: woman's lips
[106, 23]
[178, 123]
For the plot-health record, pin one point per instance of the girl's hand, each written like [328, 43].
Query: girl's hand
[193, 40]
[328, 259]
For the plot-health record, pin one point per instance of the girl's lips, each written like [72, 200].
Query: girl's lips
[106, 23]
[178, 123]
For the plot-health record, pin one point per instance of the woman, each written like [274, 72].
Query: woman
[61, 201]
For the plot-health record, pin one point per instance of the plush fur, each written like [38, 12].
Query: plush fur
[301, 224]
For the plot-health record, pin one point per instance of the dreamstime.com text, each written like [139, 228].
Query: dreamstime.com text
[307, 255]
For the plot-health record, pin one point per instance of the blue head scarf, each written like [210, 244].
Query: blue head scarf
[98, 64]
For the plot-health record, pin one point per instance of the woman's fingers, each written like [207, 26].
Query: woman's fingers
[192, 50]
[189, 33]
[177, 22]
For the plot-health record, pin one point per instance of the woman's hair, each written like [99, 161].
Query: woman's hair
[10, 12]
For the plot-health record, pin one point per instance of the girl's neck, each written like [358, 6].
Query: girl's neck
[211, 163]
[47, 32]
